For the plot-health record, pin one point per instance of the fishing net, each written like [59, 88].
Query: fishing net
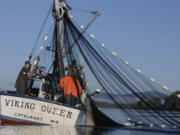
[128, 96]
[137, 99]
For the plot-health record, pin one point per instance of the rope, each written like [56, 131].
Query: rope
[42, 27]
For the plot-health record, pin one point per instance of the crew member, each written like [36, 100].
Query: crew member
[21, 84]
[71, 87]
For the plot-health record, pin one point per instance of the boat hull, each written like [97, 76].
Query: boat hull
[25, 110]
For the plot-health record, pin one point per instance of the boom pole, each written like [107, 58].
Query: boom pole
[96, 13]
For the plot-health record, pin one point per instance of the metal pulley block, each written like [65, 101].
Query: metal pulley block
[59, 8]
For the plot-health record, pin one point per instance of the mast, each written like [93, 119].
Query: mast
[59, 9]
[58, 49]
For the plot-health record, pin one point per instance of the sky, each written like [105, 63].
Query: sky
[146, 33]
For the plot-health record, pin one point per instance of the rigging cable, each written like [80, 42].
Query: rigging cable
[41, 30]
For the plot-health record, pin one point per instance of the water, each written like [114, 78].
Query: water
[48, 130]
[66, 130]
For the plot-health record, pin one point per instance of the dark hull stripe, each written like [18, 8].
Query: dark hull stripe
[5, 120]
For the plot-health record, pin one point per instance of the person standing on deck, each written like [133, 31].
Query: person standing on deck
[21, 84]
[71, 86]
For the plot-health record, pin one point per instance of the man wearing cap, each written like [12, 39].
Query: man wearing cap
[22, 79]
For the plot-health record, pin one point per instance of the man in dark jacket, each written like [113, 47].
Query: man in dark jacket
[21, 84]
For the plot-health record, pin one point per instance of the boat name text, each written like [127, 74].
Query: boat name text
[43, 108]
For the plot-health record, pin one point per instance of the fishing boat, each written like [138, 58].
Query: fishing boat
[138, 100]
[42, 109]
[42, 104]
[25, 110]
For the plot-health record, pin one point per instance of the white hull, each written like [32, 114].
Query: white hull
[25, 110]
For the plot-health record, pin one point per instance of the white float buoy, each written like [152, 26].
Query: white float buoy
[152, 79]
[114, 54]
[165, 87]
[41, 48]
[128, 119]
[81, 26]
[127, 124]
[163, 126]
[126, 62]
[84, 70]
[92, 36]
[139, 71]
[151, 125]
[45, 38]
[102, 44]
[175, 126]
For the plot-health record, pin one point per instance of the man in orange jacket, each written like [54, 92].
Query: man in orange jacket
[71, 86]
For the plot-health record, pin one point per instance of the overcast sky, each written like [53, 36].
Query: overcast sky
[146, 33]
